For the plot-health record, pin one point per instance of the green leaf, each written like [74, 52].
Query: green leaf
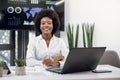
[88, 30]
[76, 38]
[84, 39]
[1, 63]
[70, 35]
[19, 62]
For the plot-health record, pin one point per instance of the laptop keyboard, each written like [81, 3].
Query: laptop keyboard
[54, 69]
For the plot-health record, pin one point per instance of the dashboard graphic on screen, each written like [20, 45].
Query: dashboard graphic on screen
[19, 14]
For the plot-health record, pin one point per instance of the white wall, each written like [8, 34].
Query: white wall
[104, 13]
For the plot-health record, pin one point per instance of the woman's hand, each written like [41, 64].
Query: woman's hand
[55, 63]
[47, 62]
[59, 58]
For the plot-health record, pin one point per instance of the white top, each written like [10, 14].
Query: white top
[38, 50]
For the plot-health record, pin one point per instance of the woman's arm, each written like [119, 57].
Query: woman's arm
[64, 52]
[31, 53]
[60, 59]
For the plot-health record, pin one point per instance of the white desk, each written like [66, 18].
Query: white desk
[36, 74]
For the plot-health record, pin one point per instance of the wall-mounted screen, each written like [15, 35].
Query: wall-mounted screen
[19, 14]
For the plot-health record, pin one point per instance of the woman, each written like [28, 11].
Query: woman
[46, 49]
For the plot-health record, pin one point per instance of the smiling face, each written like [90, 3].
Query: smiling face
[46, 25]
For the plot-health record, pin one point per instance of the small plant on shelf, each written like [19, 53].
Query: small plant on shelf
[20, 67]
[1, 63]
[1, 68]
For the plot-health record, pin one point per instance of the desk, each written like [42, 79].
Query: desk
[34, 74]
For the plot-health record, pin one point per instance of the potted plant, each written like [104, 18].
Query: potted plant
[1, 68]
[88, 30]
[20, 67]
[72, 40]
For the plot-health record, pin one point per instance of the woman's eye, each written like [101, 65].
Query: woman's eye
[42, 23]
[49, 22]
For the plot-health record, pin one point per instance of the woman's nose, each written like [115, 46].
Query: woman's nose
[46, 24]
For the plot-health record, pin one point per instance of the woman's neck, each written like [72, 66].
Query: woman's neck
[47, 36]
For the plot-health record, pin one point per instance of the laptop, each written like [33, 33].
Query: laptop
[80, 59]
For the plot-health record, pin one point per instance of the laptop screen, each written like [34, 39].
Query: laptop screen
[83, 59]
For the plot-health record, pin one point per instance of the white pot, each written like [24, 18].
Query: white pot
[20, 70]
[1, 71]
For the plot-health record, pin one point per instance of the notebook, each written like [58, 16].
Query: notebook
[80, 59]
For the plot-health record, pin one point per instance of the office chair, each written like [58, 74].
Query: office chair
[110, 57]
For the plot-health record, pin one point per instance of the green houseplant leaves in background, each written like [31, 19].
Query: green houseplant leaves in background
[72, 36]
[88, 30]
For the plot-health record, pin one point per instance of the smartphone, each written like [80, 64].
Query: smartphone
[101, 71]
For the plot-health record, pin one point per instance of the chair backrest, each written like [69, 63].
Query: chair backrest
[110, 57]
